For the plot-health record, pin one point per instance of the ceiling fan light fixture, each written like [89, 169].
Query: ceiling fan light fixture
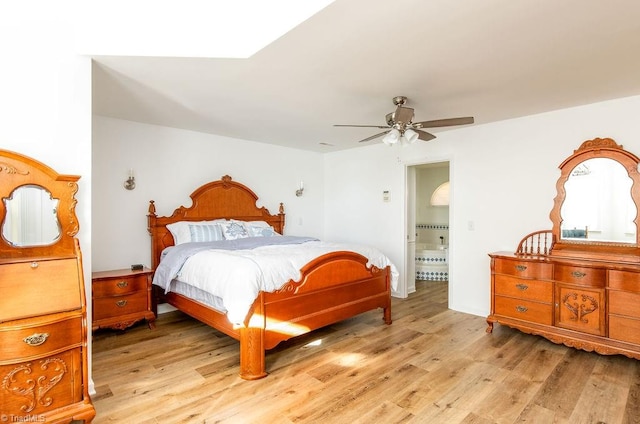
[410, 136]
[392, 137]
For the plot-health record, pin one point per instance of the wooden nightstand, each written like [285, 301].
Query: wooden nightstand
[121, 298]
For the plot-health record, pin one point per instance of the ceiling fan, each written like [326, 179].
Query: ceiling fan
[401, 128]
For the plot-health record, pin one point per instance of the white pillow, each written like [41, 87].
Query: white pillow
[261, 231]
[205, 232]
[234, 230]
[180, 230]
[258, 228]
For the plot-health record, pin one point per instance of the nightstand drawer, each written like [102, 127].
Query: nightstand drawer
[40, 336]
[525, 310]
[119, 286]
[109, 307]
[38, 287]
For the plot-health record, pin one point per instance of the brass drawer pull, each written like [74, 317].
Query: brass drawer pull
[121, 303]
[521, 268]
[34, 265]
[522, 287]
[36, 339]
[122, 284]
[578, 274]
[522, 309]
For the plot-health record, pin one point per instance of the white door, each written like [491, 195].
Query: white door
[410, 253]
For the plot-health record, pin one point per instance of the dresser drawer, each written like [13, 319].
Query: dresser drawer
[541, 291]
[525, 310]
[119, 286]
[584, 276]
[524, 269]
[624, 328]
[40, 287]
[624, 280]
[39, 336]
[109, 307]
[35, 387]
[624, 303]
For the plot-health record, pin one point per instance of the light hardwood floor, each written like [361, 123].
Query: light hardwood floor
[432, 365]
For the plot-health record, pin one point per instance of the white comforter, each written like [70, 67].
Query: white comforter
[237, 276]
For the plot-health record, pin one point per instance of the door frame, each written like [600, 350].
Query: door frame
[402, 290]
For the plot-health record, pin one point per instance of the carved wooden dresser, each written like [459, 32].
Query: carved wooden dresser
[579, 283]
[43, 324]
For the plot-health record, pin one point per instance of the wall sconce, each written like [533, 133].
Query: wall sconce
[300, 190]
[130, 183]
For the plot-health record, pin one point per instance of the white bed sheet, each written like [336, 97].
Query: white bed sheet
[237, 276]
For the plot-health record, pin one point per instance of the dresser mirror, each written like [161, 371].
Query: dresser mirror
[597, 200]
[31, 217]
[598, 205]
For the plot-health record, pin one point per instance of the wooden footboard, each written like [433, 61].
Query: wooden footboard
[332, 288]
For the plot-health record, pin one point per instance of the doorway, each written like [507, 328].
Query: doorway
[428, 204]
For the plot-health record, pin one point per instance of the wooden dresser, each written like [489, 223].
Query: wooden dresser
[122, 298]
[582, 291]
[590, 305]
[43, 323]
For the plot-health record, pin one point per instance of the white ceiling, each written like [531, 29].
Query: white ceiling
[491, 59]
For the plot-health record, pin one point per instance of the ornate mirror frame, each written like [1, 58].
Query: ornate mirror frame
[605, 250]
[16, 171]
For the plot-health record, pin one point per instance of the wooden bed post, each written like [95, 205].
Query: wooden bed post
[252, 349]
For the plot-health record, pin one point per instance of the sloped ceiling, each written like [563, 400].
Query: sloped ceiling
[491, 59]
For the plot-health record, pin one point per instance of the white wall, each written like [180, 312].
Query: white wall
[46, 106]
[503, 179]
[354, 208]
[428, 180]
[169, 164]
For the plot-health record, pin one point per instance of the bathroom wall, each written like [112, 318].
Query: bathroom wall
[432, 222]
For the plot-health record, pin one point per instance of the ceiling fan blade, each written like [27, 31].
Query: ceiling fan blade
[361, 126]
[373, 136]
[425, 136]
[444, 122]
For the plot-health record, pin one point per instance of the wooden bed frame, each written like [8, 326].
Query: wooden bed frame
[332, 288]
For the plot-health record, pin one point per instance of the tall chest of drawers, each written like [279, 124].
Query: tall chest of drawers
[43, 321]
[591, 305]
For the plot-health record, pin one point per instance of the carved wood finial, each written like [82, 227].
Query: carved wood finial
[603, 143]
[281, 210]
[226, 181]
[152, 207]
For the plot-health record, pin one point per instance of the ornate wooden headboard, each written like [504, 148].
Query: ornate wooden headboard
[215, 200]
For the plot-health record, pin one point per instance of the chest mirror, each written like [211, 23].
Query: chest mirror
[31, 217]
[37, 209]
[596, 208]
